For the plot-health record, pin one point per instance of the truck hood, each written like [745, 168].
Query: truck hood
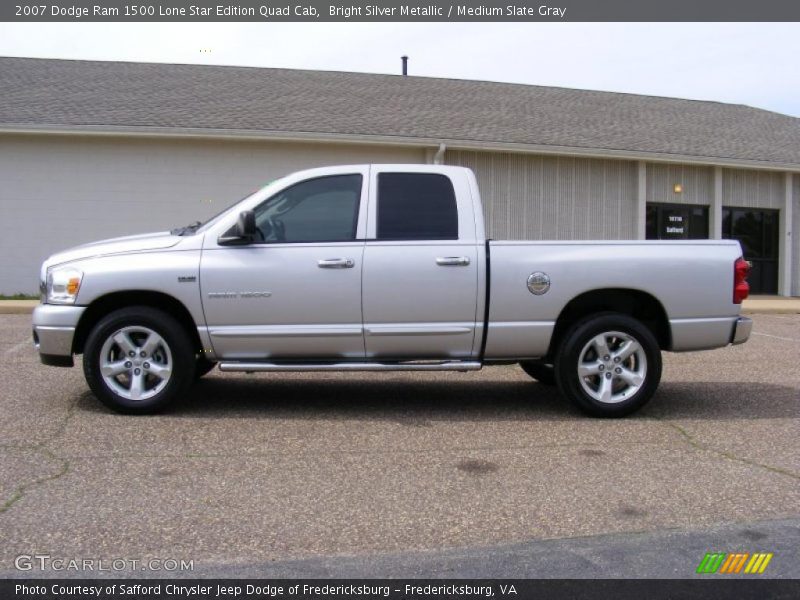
[120, 245]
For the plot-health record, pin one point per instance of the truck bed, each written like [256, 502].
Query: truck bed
[691, 280]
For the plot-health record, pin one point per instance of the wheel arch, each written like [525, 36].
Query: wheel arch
[638, 304]
[108, 303]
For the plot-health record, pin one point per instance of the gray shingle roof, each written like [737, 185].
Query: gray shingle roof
[38, 92]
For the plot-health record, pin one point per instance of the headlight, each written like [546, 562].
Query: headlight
[63, 285]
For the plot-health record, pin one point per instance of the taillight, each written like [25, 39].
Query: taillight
[741, 289]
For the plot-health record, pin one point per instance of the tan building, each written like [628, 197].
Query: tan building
[90, 150]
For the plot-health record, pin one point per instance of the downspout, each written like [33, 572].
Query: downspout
[438, 158]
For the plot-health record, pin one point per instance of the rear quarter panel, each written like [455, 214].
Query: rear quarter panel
[692, 280]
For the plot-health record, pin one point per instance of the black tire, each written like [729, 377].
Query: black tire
[646, 363]
[203, 366]
[175, 343]
[541, 372]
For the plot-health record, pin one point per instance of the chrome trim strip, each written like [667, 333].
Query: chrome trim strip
[399, 330]
[272, 331]
[701, 320]
[352, 366]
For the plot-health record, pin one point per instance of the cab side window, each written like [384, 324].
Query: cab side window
[324, 209]
[416, 206]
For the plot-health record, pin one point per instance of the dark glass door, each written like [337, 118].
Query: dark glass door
[757, 231]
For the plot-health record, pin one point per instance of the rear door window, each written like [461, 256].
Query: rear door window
[416, 206]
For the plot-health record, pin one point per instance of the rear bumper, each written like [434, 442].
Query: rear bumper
[53, 333]
[708, 333]
[741, 330]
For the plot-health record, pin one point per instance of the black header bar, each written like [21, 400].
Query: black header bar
[556, 11]
[719, 588]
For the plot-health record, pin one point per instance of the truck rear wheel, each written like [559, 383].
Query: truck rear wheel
[138, 359]
[541, 372]
[609, 365]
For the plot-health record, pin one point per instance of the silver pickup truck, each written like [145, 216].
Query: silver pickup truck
[381, 268]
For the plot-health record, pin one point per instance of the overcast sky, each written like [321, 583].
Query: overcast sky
[755, 64]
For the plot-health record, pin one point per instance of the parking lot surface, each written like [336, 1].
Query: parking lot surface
[260, 468]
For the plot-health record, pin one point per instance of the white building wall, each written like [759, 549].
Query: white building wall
[753, 189]
[553, 198]
[697, 183]
[59, 191]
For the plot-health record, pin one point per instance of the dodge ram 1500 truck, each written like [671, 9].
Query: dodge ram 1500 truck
[381, 268]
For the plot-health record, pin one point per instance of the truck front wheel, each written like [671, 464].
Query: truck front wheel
[138, 359]
[609, 365]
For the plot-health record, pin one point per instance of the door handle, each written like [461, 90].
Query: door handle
[336, 263]
[452, 261]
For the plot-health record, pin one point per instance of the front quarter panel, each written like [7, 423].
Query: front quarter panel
[171, 272]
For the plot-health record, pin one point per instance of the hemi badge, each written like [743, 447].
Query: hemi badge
[187, 279]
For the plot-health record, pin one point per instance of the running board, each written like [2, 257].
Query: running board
[450, 365]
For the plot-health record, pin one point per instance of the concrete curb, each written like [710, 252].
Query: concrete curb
[771, 305]
[17, 307]
[771, 311]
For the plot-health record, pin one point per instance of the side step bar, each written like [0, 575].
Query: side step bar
[450, 365]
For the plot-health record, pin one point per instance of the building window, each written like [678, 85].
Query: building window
[676, 222]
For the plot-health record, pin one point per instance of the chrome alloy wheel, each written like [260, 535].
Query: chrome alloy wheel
[612, 367]
[136, 362]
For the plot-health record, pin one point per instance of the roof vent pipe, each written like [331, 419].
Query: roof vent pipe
[405, 65]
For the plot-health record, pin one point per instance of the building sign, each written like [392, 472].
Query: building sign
[674, 226]
[677, 222]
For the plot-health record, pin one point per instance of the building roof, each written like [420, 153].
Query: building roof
[94, 95]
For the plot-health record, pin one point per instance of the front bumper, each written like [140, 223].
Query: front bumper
[53, 331]
[741, 330]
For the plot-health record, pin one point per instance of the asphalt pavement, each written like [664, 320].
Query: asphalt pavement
[428, 474]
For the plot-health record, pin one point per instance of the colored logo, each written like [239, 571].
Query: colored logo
[741, 562]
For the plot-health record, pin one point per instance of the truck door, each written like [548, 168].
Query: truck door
[296, 290]
[420, 281]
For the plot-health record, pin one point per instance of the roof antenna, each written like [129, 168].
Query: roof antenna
[405, 65]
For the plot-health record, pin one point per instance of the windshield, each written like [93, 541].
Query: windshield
[222, 212]
[199, 227]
